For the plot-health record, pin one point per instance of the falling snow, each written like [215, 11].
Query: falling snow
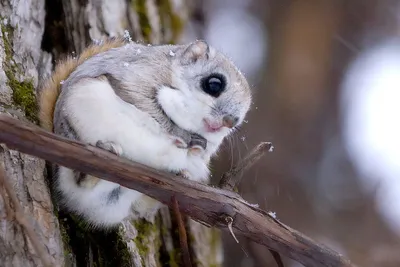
[97, 42]
[243, 138]
[126, 64]
[171, 53]
[138, 52]
[256, 206]
[272, 214]
[62, 82]
[127, 36]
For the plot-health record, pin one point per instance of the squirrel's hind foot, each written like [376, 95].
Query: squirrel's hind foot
[110, 146]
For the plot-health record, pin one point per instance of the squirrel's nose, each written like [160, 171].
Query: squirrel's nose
[230, 121]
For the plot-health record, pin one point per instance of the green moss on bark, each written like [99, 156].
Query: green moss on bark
[171, 23]
[144, 230]
[92, 247]
[23, 92]
[215, 244]
[140, 7]
[148, 234]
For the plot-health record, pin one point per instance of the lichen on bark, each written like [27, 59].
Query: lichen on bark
[21, 25]
[92, 247]
[159, 21]
[23, 92]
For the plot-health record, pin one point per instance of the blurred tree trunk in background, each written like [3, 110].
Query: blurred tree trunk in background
[308, 180]
[35, 34]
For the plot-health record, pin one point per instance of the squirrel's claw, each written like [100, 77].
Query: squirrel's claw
[183, 173]
[197, 141]
[110, 146]
[180, 143]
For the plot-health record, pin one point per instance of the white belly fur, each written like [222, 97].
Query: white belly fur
[98, 114]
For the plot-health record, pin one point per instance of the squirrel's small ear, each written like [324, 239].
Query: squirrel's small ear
[195, 51]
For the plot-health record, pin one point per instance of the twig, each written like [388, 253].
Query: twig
[231, 178]
[182, 233]
[23, 221]
[199, 201]
[229, 222]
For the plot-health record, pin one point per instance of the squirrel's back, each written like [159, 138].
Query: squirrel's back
[50, 90]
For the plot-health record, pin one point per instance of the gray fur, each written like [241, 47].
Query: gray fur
[148, 67]
[114, 195]
[64, 126]
[136, 72]
[79, 177]
[197, 141]
[187, 138]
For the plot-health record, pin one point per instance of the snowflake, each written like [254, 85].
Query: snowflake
[272, 214]
[127, 36]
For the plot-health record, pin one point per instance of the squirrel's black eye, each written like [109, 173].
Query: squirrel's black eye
[214, 84]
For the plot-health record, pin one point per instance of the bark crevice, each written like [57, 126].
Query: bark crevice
[54, 39]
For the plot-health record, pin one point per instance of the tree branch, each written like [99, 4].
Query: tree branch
[201, 202]
[182, 233]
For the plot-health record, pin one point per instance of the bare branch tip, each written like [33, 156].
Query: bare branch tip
[231, 178]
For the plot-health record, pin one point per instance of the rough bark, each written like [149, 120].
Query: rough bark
[30, 43]
[22, 25]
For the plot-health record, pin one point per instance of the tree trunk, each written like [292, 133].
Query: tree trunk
[30, 42]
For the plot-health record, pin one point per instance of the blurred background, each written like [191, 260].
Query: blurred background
[325, 76]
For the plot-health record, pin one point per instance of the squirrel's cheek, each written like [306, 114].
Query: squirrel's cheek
[177, 107]
[169, 98]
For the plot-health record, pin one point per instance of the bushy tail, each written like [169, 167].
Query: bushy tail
[50, 90]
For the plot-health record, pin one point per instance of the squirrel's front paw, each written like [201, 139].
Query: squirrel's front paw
[180, 143]
[196, 145]
[197, 141]
[110, 146]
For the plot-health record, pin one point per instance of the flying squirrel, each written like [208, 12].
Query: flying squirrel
[165, 106]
